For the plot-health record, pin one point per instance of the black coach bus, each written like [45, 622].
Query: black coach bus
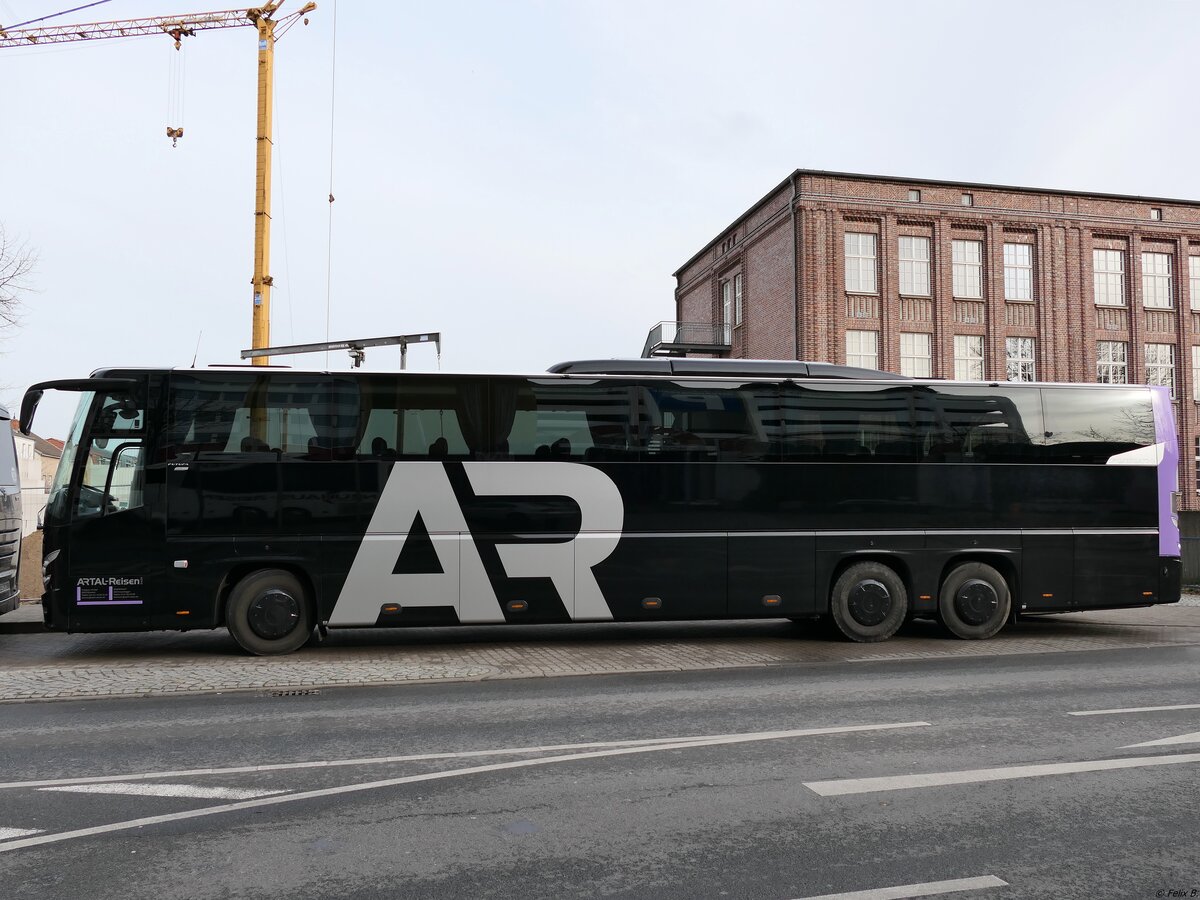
[277, 502]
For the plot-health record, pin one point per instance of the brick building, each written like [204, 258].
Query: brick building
[961, 281]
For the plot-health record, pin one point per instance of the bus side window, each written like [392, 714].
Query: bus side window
[831, 422]
[307, 417]
[561, 421]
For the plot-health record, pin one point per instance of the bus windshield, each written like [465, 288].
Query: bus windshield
[57, 507]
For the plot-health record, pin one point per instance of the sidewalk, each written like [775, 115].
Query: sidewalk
[37, 665]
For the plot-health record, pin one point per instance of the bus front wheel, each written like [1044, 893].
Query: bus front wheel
[268, 613]
[974, 602]
[868, 602]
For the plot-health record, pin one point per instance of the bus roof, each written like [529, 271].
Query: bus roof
[721, 368]
[759, 369]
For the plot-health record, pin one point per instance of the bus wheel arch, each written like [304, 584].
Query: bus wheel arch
[868, 599]
[975, 598]
[269, 609]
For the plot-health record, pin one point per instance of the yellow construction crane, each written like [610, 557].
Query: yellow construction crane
[270, 29]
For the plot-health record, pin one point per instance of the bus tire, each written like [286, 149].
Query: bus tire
[268, 613]
[974, 602]
[868, 602]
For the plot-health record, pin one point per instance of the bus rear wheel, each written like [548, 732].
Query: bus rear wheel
[868, 602]
[268, 613]
[974, 602]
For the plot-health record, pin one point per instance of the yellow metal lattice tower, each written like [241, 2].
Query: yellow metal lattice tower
[270, 28]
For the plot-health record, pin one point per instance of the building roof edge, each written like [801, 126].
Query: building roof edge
[903, 179]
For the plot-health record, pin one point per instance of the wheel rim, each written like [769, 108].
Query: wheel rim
[869, 602]
[976, 601]
[274, 614]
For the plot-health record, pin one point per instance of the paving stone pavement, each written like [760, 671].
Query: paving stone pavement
[42, 666]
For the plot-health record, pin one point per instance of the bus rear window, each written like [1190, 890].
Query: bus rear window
[1092, 426]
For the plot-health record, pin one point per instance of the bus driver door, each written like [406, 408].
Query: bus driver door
[115, 549]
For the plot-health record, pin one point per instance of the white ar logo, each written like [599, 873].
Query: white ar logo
[422, 488]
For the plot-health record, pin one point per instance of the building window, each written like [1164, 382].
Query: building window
[1194, 280]
[860, 263]
[1018, 272]
[727, 304]
[915, 359]
[1156, 280]
[1019, 360]
[914, 266]
[862, 349]
[1160, 365]
[1108, 277]
[968, 357]
[914, 196]
[1195, 375]
[1112, 365]
[1156, 213]
[737, 299]
[968, 200]
[967, 267]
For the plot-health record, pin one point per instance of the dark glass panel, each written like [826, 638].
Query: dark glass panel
[421, 417]
[1090, 426]
[314, 417]
[705, 421]
[859, 422]
[964, 423]
[566, 420]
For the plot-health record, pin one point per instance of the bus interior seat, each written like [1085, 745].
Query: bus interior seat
[439, 449]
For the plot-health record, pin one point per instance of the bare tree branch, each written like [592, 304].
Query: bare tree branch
[17, 262]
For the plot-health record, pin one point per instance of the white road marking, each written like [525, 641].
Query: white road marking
[164, 790]
[9, 833]
[38, 840]
[1133, 709]
[845, 786]
[928, 889]
[1193, 738]
[420, 757]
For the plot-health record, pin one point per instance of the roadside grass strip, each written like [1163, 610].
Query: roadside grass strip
[926, 889]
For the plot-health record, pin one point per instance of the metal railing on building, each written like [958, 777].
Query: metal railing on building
[679, 338]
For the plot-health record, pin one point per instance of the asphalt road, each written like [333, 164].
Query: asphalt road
[737, 783]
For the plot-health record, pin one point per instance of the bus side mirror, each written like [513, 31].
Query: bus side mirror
[41, 518]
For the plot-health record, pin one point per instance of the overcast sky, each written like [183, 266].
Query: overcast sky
[524, 177]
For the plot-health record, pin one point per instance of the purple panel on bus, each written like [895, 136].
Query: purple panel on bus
[1168, 471]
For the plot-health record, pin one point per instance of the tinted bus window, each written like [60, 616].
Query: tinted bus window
[963, 423]
[834, 422]
[1091, 426]
[421, 418]
[566, 420]
[311, 417]
[708, 422]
